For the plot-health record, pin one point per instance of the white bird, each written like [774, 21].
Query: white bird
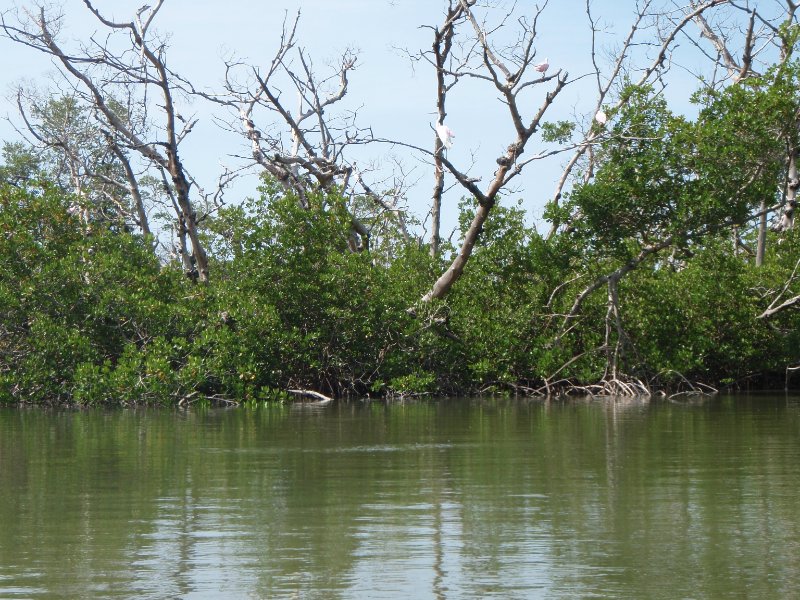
[445, 134]
[601, 117]
[542, 66]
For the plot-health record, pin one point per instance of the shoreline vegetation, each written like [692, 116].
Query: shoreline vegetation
[666, 261]
[91, 315]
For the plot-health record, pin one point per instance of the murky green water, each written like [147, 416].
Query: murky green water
[466, 499]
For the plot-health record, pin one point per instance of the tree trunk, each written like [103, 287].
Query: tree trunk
[442, 45]
[436, 204]
[761, 246]
[787, 218]
[451, 275]
[188, 215]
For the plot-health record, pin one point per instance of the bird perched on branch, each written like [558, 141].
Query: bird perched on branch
[601, 117]
[445, 134]
[542, 67]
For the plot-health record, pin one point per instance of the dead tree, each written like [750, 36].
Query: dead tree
[102, 72]
[301, 137]
[447, 74]
[99, 171]
[511, 72]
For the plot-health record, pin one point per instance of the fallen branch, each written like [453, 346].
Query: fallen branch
[322, 398]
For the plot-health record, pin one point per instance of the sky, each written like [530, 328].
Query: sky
[393, 96]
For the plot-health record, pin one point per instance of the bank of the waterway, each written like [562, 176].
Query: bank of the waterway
[455, 499]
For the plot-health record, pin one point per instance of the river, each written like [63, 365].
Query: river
[695, 498]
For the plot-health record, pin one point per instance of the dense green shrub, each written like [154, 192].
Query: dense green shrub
[91, 315]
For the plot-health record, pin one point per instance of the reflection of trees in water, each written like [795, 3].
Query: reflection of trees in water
[438, 549]
[460, 499]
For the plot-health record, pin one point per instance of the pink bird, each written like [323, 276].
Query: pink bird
[542, 67]
[445, 134]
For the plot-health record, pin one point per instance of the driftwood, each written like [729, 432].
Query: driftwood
[322, 399]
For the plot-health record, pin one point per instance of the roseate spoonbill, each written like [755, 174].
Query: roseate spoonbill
[542, 67]
[601, 117]
[445, 134]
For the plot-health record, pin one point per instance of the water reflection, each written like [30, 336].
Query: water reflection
[431, 500]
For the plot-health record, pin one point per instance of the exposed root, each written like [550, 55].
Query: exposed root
[790, 369]
[195, 397]
[626, 386]
[688, 388]
[618, 385]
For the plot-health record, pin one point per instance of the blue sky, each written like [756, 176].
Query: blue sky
[395, 99]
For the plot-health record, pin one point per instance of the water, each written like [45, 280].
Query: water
[457, 499]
